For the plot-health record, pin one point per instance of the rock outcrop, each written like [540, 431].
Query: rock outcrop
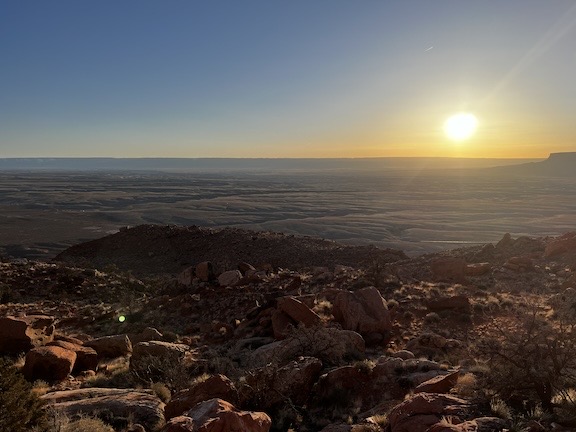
[20, 334]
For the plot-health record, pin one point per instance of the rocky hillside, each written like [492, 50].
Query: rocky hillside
[474, 339]
[156, 249]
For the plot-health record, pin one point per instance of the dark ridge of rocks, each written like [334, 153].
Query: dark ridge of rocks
[154, 249]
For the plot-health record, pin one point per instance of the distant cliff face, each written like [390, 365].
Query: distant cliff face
[557, 165]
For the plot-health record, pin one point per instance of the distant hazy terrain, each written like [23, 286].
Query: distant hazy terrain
[204, 164]
[42, 212]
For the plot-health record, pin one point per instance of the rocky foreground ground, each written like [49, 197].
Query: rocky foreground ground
[189, 329]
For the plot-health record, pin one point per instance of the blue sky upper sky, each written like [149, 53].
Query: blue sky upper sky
[297, 78]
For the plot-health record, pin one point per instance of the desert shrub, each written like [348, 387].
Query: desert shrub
[467, 385]
[170, 370]
[500, 409]
[565, 403]
[532, 362]
[20, 409]
[162, 391]
[88, 425]
[81, 424]
[115, 375]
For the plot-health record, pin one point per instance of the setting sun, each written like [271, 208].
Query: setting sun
[461, 126]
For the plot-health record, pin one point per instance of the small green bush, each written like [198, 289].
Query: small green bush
[20, 409]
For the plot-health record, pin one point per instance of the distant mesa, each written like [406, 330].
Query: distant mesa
[557, 165]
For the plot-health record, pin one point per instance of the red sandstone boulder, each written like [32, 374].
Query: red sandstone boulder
[111, 346]
[363, 311]
[217, 415]
[48, 363]
[86, 357]
[216, 386]
[20, 334]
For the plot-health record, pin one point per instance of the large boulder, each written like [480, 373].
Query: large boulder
[217, 415]
[111, 346]
[48, 363]
[421, 411]
[20, 334]
[298, 311]
[331, 345]
[140, 405]
[86, 357]
[363, 311]
[216, 386]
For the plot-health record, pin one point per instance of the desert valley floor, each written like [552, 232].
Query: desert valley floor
[43, 212]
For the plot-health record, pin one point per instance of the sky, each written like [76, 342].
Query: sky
[285, 78]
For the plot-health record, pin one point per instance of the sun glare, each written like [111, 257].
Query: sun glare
[461, 126]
